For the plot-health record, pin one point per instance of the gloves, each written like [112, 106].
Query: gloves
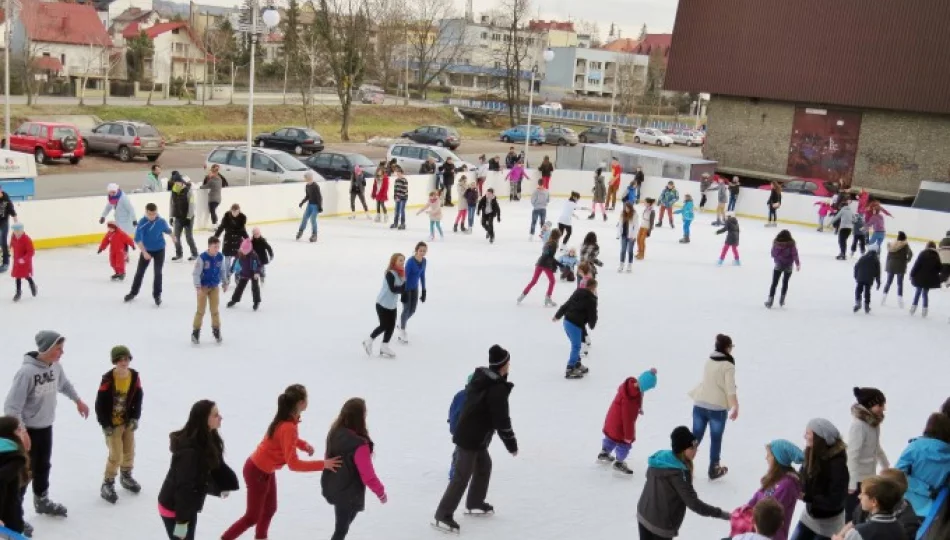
[423, 296]
[181, 530]
[133, 424]
[108, 431]
[135, 223]
[383, 498]
[300, 205]
[171, 222]
[100, 251]
[102, 220]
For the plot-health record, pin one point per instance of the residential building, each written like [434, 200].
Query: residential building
[178, 52]
[556, 34]
[592, 72]
[3, 30]
[647, 44]
[272, 47]
[142, 18]
[802, 93]
[115, 8]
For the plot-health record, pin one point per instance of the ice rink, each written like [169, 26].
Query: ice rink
[318, 304]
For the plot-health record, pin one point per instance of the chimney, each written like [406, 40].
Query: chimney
[469, 12]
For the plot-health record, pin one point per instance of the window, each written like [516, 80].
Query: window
[593, 81]
[397, 151]
[288, 162]
[117, 129]
[181, 48]
[529, 41]
[261, 163]
[238, 159]
[340, 162]
[412, 152]
[484, 35]
[62, 132]
[321, 160]
[219, 156]
[35, 130]
[148, 131]
[102, 129]
[496, 37]
[433, 155]
[176, 30]
[129, 131]
[280, 133]
[497, 65]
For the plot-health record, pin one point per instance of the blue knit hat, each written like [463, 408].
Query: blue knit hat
[647, 380]
[786, 453]
[17, 226]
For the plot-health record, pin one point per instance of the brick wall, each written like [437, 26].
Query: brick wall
[896, 150]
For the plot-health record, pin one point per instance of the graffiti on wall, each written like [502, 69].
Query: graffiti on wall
[824, 144]
[884, 163]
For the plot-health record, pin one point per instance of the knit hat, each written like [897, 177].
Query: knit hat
[824, 429]
[246, 246]
[869, 397]
[647, 380]
[112, 187]
[497, 357]
[119, 352]
[786, 453]
[17, 226]
[111, 224]
[681, 439]
[46, 339]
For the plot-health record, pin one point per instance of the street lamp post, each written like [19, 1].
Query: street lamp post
[6, 73]
[613, 97]
[270, 17]
[548, 55]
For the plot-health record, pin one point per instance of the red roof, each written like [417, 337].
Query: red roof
[653, 41]
[47, 63]
[56, 22]
[3, 16]
[622, 45]
[551, 25]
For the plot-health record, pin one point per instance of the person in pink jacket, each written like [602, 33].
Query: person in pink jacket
[781, 483]
[515, 176]
[824, 208]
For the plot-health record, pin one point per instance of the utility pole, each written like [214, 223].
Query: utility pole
[6, 72]
[613, 99]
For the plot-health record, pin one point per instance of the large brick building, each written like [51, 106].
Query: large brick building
[851, 91]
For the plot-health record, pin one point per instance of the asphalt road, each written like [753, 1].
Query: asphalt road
[94, 173]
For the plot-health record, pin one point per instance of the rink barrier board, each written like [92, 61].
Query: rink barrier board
[271, 204]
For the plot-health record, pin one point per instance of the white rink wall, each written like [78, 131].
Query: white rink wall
[64, 222]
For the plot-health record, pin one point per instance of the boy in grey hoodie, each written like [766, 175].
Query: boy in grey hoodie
[32, 400]
[539, 206]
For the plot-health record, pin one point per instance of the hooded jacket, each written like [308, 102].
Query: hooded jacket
[247, 266]
[214, 184]
[926, 270]
[234, 228]
[105, 399]
[12, 463]
[904, 513]
[485, 411]
[547, 258]
[621, 422]
[687, 210]
[151, 233]
[489, 207]
[540, 199]
[190, 480]
[124, 213]
[22, 249]
[926, 462]
[667, 494]
[898, 255]
[825, 493]
[731, 228]
[182, 201]
[600, 189]
[719, 382]
[868, 268]
[32, 397]
[262, 247]
[785, 254]
[844, 218]
[580, 309]
[668, 197]
[864, 446]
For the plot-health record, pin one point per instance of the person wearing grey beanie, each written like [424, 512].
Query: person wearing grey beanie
[825, 482]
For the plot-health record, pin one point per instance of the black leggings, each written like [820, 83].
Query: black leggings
[213, 210]
[361, 197]
[773, 213]
[843, 235]
[387, 323]
[565, 231]
[864, 288]
[344, 518]
[381, 207]
[647, 535]
[859, 238]
[41, 451]
[785, 274]
[488, 223]
[19, 285]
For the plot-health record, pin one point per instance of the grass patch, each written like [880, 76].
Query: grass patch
[228, 122]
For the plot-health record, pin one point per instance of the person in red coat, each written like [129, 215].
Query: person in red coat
[620, 427]
[23, 251]
[118, 242]
[381, 192]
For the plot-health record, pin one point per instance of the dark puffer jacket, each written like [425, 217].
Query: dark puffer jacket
[824, 493]
[12, 463]
[485, 412]
[547, 258]
[190, 480]
[667, 494]
[345, 486]
[580, 309]
[898, 255]
[234, 228]
[731, 228]
[868, 268]
[926, 270]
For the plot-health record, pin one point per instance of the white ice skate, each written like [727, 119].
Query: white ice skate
[900, 302]
[620, 268]
[368, 346]
[386, 352]
[403, 337]
[629, 267]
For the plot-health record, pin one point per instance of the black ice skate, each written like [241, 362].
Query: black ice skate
[129, 297]
[573, 373]
[781, 301]
[196, 336]
[605, 457]
[158, 301]
[231, 304]
[583, 369]
[446, 524]
[857, 308]
[867, 308]
[401, 227]
[313, 238]
[768, 303]
[129, 483]
[483, 509]
[256, 305]
[107, 491]
[716, 471]
[216, 332]
[621, 467]
[44, 506]
[27, 530]
[300, 233]
[176, 258]
[115, 277]
[33, 288]
[455, 228]
[16, 297]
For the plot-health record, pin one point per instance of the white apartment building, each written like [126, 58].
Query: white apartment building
[592, 72]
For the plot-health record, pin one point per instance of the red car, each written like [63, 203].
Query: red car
[807, 186]
[48, 140]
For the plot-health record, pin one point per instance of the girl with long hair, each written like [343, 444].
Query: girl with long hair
[14, 472]
[590, 251]
[567, 216]
[785, 254]
[380, 192]
[713, 398]
[394, 283]
[279, 448]
[197, 470]
[774, 202]
[825, 481]
[349, 441]
[781, 482]
[600, 195]
[627, 229]
[546, 264]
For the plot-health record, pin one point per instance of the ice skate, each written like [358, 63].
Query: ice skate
[256, 305]
[128, 483]
[313, 238]
[548, 302]
[573, 373]
[176, 258]
[393, 226]
[768, 303]
[107, 491]
[913, 309]
[446, 524]
[368, 346]
[900, 302]
[401, 227]
[386, 352]
[781, 301]
[620, 269]
[464, 230]
[605, 217]
[115, 277]
[455, 228]
[483, 509]
[867, 307]
[158, 301]
[231, 304]
[368, 217]
[840, 257]
[27, 530]
[120, 277]
[629, 267]
[44, 506]
[33, 288]
[621, 467]
[377, 219]
[591, 216]
[605, 457]
[884, 299]
[403, 337]
[432, 238]
[520, 298]
[4, 268]
[299, 234]
[216, 332]
[581, 367]
[737, 262]
[857, 308]
[196, 336]
[16, 297]
[923, 313]
[716, 471]
[719, 262]
[684, 240]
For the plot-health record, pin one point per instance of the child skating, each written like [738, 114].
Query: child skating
[564, 223]
[600, 195]
[646, 226]
[434, 208]
[247, 268]
[394, 283]
[590, 251]
[824, 208]
[380, 193]
[899, 255]
[688, 214]
[731, 228]
[22, 248]
[546, 231]
[925, 275]
[490, 211]
[118, 410]
[118, 242]
[620, 426]
[785, 255]
[568, 263]
[265, 253]
[627, 229]
[400, 198]
[547, 264]
[579, 312]
[208, 276]
[470, 200]
[668, 198]
[866, 272]
[463, 205]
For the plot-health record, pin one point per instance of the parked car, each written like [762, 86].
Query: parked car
[519, 133]
[125, 140]
[48, 140]
[652, 136]
[267, 166]
[340, 165]
[435, 135]
[298, 140]
[411, 156]
[807, 186]
[599, 135]
[561, 136]
[688, 137]
[552, 106]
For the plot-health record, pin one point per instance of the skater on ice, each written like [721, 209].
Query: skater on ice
[590, 251]
[118, 243]
[21, 245]
[903, 511]
[414, 290]
[246, 269]
[688, 215]
[568, 263]
[564, 223]
[714, 400]
[394, 281]
[899, 255]
[628, 228]
[867, 271]
[620, 426]
[490, 211]
[600, 195]
[774, 203]
[539, 207]
[400, 199]
[668, 198]
[182, 214]
[547, 264]
[433, 207]
[731, 228]
[150, 239]
[785, 255]
[16, 473]
[234, 226]
[118, 411]
[646, 227]
[208, 276]
[926, 274]
[579, 312]
[313, 198]
[263, 250]
[880, 498]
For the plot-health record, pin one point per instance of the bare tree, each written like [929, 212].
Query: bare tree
[114, 59]
[631, 81]
[513, 55]
[391, 35]
[218, 43]
[341, 27]
[311, 63]
[435, 43]
[656, 74]
[90, 64]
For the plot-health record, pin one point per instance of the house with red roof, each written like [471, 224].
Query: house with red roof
[178, 51]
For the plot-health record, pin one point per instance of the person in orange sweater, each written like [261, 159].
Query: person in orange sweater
[279, 448]
[118, 242]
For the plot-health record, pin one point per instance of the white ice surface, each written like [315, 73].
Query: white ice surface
[793, 364]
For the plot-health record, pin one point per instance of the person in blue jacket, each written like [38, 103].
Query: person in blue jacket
[150, 238]
[455, 412]
[415, 281]
[688, 215]
[926, 462]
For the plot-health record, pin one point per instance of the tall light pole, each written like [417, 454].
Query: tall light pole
[547, 55]
[270, 17]
[613, 97]
[6, 72]
[406, 103]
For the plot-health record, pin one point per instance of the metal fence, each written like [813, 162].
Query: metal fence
[545, 113]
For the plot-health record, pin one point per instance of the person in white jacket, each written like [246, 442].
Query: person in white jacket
[627, 229]
[865, 453]
[713, 399]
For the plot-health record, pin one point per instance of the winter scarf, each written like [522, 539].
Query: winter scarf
[866, 416]
[114, 199]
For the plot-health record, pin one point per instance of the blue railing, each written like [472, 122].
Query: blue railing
[619, 120]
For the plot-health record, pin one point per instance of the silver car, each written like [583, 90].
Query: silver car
[125, 140]
[411, 156]
[687, 137]
[267, 166]
[561, 136]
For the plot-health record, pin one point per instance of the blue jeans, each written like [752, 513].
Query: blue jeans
[623, 449]
[626, 250]
[575, 334]
[716, 420]
[900, 283]
[686, 225]
[400, 213]
[877, 237]
[732, 203]
[310, 214]
[538, 216]
[433, 225]
[409, 306]
[471, 216]
[922, 292]
[4, 234]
